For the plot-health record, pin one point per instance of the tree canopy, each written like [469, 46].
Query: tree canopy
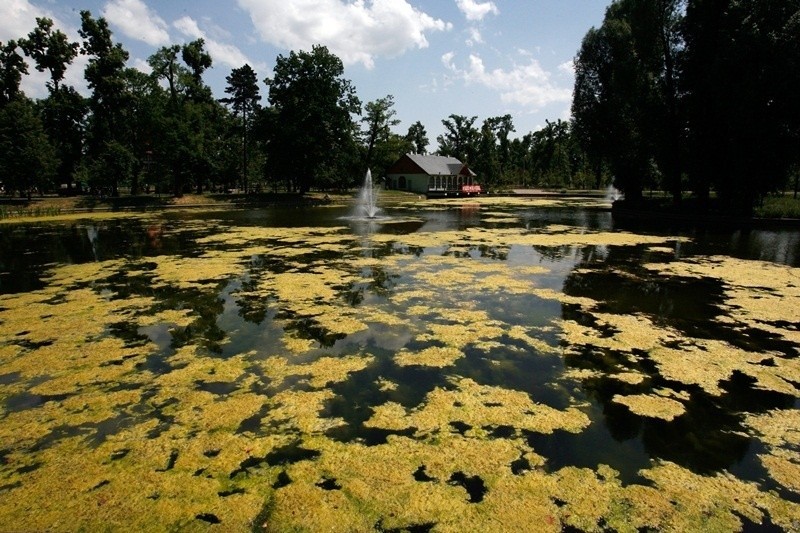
[697, 93]
[683, 95]
[312, 140]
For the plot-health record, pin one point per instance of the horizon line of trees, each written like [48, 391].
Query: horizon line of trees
[693, 95]
[165, 131]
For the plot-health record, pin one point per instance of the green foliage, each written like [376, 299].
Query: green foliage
[312, 134]
[704, 88]
[12, 67]
[625, 103]
[742, 76]
[417, 138]
[183, 123]
[27, 158]
[51, 50]
[779, 206]
[378, 121]
[63, 115]
[243, 88]
[461, 138]
[105, 74]
[113, 164]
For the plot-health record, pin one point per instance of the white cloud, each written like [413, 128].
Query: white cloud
[137, 21]
[357, 31]
[141, 65]
[567, 67]
[226, 54]
[18, 18]
[528, 85]
[476, 10]
[475, 37]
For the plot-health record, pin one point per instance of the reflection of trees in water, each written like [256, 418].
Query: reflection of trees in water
[709, 435]
[206, 305]
[254, 306]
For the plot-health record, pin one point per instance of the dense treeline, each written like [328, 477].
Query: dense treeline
[693, 95]
[165, 131]
[679, 95]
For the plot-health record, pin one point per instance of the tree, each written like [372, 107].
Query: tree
[51, 50]
[105, 74]
[417, 137]
[591, 106]
[461, 138]
[555, 156]
[614, 94]
[27, 159]
[63, 115]
[191, 117]
[243, 88]
[165, 66]
[313, 138]
[64, 111]
[378, 119]
[197, 59]
[12, 68]
[741, 79]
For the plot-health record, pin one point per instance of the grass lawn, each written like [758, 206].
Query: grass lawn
[784, 206]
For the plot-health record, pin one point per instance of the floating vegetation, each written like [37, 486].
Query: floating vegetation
[479, 407]
[452, 376]
[651, 406]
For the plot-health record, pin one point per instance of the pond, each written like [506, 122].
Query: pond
[484, 364]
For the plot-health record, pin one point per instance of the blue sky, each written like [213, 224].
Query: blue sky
[436, 57]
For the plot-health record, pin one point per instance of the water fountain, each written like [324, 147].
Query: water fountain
[613, 194]
[367, 198]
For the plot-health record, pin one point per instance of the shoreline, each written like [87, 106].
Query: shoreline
[20, 210]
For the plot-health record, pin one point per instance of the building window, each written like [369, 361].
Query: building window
[401, 183]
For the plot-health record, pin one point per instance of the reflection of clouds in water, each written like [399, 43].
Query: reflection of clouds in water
[91, 234]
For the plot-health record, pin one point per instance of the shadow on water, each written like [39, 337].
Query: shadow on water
[354, 398]
[709, 436]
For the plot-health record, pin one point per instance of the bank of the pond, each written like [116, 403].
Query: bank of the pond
[46, 207]
[775, 213]
[659, 211]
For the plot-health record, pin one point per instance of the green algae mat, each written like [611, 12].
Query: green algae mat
[481, 365]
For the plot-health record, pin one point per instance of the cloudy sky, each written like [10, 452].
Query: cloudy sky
[436, 57]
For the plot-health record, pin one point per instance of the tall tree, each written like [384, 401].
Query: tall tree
[418, 138]
[105, 74]
[198, 60]
[64, 111]
[615, 71]
[741, 78]
[591, 102]
[243, 88]
[64, 115]
[165, 66]
[191, 117]
[378, 121]
[313, 140]
[12, 68]
[51, 50]
[554, 155]
[461, 138]
[27, 159]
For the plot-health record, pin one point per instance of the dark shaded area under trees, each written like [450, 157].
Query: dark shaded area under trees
[693, 95]
[673, 95]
